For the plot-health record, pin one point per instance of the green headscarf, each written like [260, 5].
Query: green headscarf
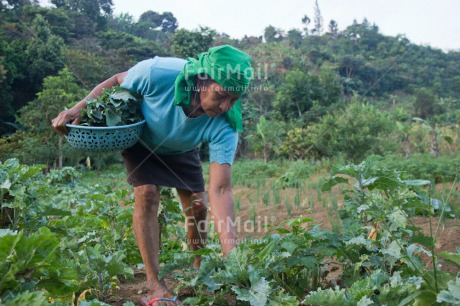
[226, 65]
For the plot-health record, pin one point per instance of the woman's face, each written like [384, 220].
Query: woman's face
[215, 100]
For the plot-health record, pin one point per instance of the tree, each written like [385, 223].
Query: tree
[333, 28]
[356, 131]
[96, 10]
[268, 136]
[165, 22]
[424, 103]
[294, 38]
[435, 135]
[272, 34]
[169, 23]
[306, 22]
[58, 92]
[124, 22]
[250, 41]
[190, 43]
[151, 18]
[151, 23]
[93, 8]
[262, 99]
[87, 67]
[294, 96]
[17, 4]
[59, 20]
[318, 29]
[2, 71]
[44, 52]
[8, 73]
[306, 95]
[349, 65]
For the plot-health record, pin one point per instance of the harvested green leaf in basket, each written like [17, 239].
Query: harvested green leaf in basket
[115, 107]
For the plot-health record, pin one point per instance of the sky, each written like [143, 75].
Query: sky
[426, 22]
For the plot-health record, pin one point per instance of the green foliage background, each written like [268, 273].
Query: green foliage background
[322, 91]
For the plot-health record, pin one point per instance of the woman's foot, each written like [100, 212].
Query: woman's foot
[156, 296]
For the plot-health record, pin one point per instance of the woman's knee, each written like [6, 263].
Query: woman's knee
[147, 196]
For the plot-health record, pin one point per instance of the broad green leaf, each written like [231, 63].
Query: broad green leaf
[361, 289]
[116, 266]
[27, 298]
[369, 182]
[329, 297]
[97, 114]
[124, 95]
[8, 242]
[416, 247]
[393, 250]
[5, 182]
[54, 211]
[289, 246]
[218, 279]
[452, 295]
[365, 301]
[282, 299]
[116, 102]
[267, 250]
[417, 182]
[332, 182]
[426, 298]
[398, 219]
[299, 221]
[306, 261]
[282, 230]
[385, 182]
[360, 240]
[113, 118]
[60, 288]
[451, 258]
[422, 239]
[236, 264]
[257, 295]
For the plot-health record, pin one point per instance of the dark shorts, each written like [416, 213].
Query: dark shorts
[181, 171]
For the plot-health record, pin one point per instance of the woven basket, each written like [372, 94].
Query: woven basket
[104, 139]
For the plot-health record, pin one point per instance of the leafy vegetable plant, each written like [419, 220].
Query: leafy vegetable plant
[116, 106]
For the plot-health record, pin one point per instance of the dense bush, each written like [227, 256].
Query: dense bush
[354, 132]
[423, 166]
[252, 169]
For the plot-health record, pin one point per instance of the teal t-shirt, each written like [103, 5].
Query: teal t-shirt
[169, 131]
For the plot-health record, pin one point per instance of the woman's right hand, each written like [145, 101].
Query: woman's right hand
[72, 115]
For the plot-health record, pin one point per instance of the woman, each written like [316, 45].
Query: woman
[184, 103]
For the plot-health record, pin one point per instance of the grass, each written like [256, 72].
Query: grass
[276, 194]
[266, 198]
[297, 198]
[237, 202]
[253, 214]
[288, 205]
[114, 177]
